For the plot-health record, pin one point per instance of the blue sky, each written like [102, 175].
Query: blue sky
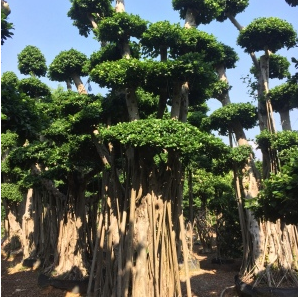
[45, 24]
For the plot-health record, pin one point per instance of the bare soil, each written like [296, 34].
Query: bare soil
[210, 280]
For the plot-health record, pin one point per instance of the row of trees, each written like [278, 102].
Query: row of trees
[106, 177]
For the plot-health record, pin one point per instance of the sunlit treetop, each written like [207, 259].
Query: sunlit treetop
[222, 119]
[67, 63]
[193, 40]
[83, 12]
[205, 11]
[232, 7]
[160, 36]
[267, 33]
[31, 61]
[120, 27]
[9, 80]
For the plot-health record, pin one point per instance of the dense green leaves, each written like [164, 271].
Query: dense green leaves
[11, 192]
[278, 67]
[232, 7]
[222, 119]
[267, 33]
[111, 52]
[119, 74]
[6, 28]
[164, 134]
[284, 97]
[82, 12]
[31, 61]
[21, 113]
[159, 37]
[279, 141]
[120, 27]
[204, 11]
[67, 63]
[34, 88]
[278, 199]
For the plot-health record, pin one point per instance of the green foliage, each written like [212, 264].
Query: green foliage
[205, 11]
[284, 97]
[73, 113]
[9, 81]
[232, 7]
[278, 199]
[66, 63]
[111, 52]
[120, 27]
[9, 140]
[193, 40]
[279, 141]
[195, 118]
[31, 61]
[219, 89]
[21, 113]
[119, 74]
[224, 118]
[82, 11]
[34, 88]
[6, 28]
[160, 36]
[235, 159]
[164, 134]
[11, 192]
[272, 33]
[147, 103]
[278, 67]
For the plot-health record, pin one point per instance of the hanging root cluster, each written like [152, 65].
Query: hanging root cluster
[137, 258]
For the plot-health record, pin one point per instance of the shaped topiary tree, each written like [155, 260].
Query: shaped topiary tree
[31, 61]
[283, 99]
[67, 66]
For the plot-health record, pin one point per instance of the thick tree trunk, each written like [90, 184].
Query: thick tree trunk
[71, 245]
[68, 85]
[176, 101]
[190, 19]
[224, 98]
[132, 104]
[28, 227]
[162, 103]
[285, 119]
[184, 103]
[143, 261]
[120, 7]
[13, 211]
[79, 84]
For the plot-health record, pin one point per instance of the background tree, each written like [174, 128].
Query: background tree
[32, 62]
[6, 27]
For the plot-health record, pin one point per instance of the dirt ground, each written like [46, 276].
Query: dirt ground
[210, 280]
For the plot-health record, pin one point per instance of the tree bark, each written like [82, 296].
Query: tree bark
[28, 226]
[79, 84]
[285, 119]
[120, 7]
[176, 101]
[190, 19]
[132, 105]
